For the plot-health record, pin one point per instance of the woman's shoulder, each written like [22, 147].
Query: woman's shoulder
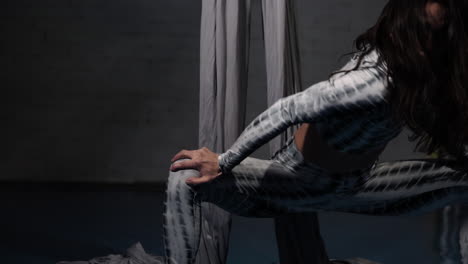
[369, 59]
[362, 63]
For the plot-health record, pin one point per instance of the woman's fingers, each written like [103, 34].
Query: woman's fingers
[185, 164]
[183, 154]
[198, 180]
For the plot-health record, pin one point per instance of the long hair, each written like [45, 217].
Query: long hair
[427, 71]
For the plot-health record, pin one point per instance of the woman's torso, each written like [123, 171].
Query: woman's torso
[347, 142]
[315, 150]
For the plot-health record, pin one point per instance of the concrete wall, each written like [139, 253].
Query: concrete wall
[108, 90]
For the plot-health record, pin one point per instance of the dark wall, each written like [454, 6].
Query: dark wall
[108, 90]
[101, 90]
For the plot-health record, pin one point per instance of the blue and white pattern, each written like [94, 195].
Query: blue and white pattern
[353, 116]
[349, 109]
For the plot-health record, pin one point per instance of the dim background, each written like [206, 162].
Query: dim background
[100, 94]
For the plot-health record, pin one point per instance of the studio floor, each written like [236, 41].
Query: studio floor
[46, 223]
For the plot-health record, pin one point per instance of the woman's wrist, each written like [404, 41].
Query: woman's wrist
[220, 163]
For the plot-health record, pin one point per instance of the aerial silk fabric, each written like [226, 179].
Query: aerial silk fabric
[298, 236]
[224, 49]
[223, 83]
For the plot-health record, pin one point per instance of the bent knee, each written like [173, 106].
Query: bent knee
[176, 179]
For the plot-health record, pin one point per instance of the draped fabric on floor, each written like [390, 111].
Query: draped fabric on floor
[224, 56]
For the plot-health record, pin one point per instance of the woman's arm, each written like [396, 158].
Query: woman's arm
[354, 92]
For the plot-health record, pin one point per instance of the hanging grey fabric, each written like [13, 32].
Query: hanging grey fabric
[223, 74]
[298, 236]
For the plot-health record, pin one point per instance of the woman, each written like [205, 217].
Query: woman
[410, 69]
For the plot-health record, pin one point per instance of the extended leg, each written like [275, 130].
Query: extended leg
[270, 188]
[410, 187]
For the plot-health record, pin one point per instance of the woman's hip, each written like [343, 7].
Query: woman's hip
[343, 182]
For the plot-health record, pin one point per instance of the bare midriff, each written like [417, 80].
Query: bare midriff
[316, 150]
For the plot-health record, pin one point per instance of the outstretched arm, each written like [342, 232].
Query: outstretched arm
[354, 92]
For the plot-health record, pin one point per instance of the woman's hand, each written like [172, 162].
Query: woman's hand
[203, 160]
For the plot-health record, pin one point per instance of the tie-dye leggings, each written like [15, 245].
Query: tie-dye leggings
[289, 184]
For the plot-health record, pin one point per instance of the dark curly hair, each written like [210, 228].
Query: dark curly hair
[427, 70]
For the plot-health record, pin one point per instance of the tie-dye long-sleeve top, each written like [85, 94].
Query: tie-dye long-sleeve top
[349, 110]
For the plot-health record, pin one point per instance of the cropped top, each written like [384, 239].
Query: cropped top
[349, 110]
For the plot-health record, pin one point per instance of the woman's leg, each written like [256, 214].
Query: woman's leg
[407, 187]
[254, 188]
[182, 218]
[402, 187]
[270, 188]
